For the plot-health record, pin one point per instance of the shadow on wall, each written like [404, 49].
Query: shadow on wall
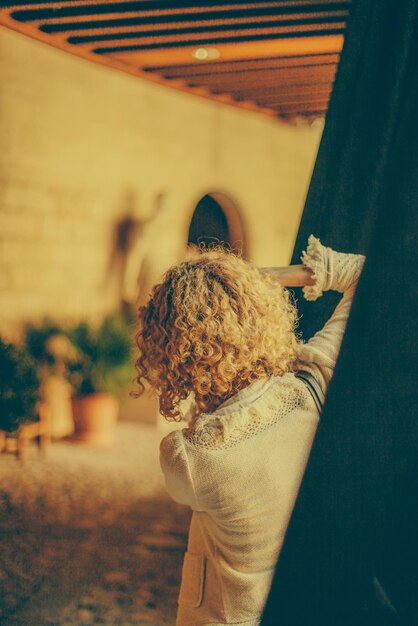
[129, 259]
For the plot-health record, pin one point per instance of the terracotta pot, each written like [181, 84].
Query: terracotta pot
[95, 418]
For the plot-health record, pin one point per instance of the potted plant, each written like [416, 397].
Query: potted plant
[102, 370]
[19, 389]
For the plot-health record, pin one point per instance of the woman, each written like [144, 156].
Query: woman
[222, 331]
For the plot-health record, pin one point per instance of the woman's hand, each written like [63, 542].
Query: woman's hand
[290, 276]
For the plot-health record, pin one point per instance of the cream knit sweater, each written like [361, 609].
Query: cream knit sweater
[240, 468]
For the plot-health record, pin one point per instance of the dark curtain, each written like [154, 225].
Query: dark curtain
[351, 552]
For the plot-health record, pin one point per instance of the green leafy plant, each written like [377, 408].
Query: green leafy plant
[36, 337]
[19, 387]
[48, 344]
[104, 361]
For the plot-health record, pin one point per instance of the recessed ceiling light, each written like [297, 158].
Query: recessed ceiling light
[205, 54]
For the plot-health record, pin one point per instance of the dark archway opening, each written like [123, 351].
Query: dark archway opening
[209, 224]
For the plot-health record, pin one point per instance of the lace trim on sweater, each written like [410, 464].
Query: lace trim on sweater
[332, 270]
[219, 432]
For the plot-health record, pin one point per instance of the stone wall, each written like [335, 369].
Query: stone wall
[82, 145]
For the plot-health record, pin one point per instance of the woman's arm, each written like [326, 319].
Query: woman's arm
[322, 269]
[291, 275]
[340, 272]
[175, 466]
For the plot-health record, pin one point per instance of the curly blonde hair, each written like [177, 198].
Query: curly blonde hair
[213, 325]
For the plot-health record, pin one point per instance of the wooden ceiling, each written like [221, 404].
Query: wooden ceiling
[278, 58]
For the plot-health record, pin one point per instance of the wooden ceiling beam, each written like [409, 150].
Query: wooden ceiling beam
[281, 99]
[242, 75]
[271, 86]
[318, 102]
[288, 97]
[277, 89]
[237, 51]
[82, 11]
[278, 74]
[285, 97]
[156, 40]
[252, 65]
[145, 25]
[313, 109]
[127, 48]
[81, 8]
[243, 82]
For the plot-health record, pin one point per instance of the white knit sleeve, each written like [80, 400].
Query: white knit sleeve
[175, 467]
[340, 272]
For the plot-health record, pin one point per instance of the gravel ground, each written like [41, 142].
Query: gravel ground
[89, 536]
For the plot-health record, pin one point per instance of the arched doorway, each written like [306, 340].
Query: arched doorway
[216, 220]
